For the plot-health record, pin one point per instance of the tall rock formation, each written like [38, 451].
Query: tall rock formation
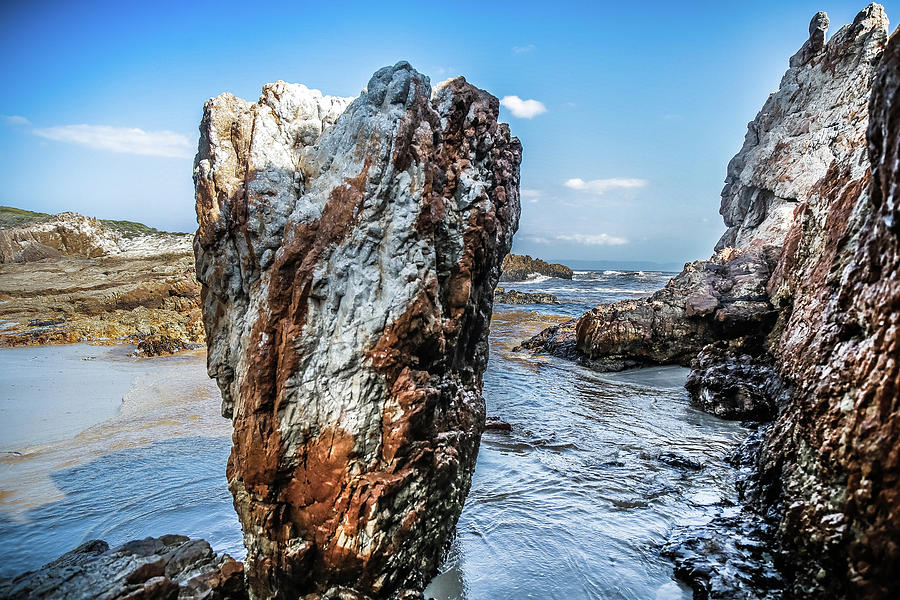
[811, 127]
[348, 251]
[831, 461]
[797, 315]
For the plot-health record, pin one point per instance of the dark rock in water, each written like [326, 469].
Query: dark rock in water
[679, 460]
[520, 268]
[733, 384]
[503, 296]
[558, 340]
[164, 568]
[348, 252]
[730, 558]
[724, 297]
[495, 424]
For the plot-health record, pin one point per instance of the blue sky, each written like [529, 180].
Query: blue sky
[644, 104]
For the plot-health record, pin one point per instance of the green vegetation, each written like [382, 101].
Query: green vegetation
[129, 228]
[13, 217]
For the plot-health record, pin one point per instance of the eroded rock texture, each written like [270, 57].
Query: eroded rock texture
[805, 331]
[348, 252]
[809, 136]
[832, 458]
[166, 568]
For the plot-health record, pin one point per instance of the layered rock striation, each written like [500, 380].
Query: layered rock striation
[796, 316]
[69, 278]
[348, 251]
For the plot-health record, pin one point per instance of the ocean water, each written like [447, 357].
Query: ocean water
[575, 502]
[588, 289]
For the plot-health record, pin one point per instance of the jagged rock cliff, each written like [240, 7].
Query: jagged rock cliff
[348, 252]
[830, 461]
[796, 316]
[813, 126]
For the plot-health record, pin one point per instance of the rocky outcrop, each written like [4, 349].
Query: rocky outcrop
[90, 280]
[812, 126]
[520, 268]
[503, 296]
[830, 461]
[348, 253]
[167, 568]
[811, 205]
[71, 234]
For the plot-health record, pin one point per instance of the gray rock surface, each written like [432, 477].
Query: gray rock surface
[164, 568]
[348, 261]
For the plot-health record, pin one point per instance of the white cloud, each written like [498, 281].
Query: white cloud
[601, 186]
[523, 49]
[531, 196]
[121, 139]
[537, 239]
[16, 120]
[524, 109]
[601, 239]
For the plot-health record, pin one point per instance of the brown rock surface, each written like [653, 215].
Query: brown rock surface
[348, 262]
[519, 268]
[90, 282]
[832, 458]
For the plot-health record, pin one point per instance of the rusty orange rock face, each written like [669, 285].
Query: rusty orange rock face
[348, 252]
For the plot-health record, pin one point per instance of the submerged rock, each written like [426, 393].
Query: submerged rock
[348, 252]
[519, 268]
[164, 568]
[504, 296]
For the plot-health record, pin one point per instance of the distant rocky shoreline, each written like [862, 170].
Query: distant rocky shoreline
[519, 268]
[504, 296]
[68, 278]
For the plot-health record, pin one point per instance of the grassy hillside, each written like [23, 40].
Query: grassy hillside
[12, 217]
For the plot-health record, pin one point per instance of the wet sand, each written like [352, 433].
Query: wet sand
[114, 448]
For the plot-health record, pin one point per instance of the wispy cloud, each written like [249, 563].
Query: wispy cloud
[522, 49]
[524, 109]
[121, 139]
[15, 120]
[532, 196]
[598, 239]
[601, 186]
[601, 239]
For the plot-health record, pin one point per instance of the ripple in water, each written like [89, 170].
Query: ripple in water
[575, 502]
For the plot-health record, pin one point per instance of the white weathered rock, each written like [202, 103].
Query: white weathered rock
[348, 264]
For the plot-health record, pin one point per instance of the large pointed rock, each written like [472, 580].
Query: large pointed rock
[348, 251]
